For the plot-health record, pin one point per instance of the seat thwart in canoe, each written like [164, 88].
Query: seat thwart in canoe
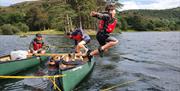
[52, 54]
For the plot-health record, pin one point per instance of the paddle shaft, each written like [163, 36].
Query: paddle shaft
[62, 46]
[47, 54]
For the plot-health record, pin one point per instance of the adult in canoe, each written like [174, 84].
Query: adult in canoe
[80, 38]
[37, 45]
[107, 23]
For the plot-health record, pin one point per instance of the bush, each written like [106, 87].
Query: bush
[0, 31]
[9, 29]
[60, 28]
[22, 27]
[150, 26]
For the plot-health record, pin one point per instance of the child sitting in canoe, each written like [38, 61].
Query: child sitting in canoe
[37, 45]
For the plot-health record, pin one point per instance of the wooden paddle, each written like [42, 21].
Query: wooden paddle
[66, 46]
[48, 54]
[52, 54]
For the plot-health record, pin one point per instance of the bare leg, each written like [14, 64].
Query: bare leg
[105, 47]
[81, 45]
[109, 45]
[95, 52]
[106, 50]
[77, 49]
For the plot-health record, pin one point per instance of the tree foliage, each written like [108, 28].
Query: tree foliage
[152, 20]
[9, 29]
[22, 27]
[37, 19]
[69, 14]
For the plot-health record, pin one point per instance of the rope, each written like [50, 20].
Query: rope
[55, 85]
[118, 85]
[28, 77]
[49, 77]
[54, 82]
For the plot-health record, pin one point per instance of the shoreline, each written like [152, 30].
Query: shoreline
[89, 32]
[53, 32]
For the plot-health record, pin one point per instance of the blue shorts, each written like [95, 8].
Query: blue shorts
[87, 39]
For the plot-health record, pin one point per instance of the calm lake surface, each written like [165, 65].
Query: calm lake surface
[142, 61]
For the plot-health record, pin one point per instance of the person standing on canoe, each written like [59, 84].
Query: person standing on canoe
[107, 23]
[37, 45]
[80, 38]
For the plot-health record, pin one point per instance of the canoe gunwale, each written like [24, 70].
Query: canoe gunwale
[74, 66]
[2, 62]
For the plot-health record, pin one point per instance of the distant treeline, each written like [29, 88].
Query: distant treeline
[65, 15]
[49, 14]
[151, 20]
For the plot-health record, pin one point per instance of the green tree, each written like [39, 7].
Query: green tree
[0, 31]
[83, 9]
[137, 22]
[9, 29]
[16, 17]
[150, 26]
[177, 25]
[22, 27]
[37, 19]
[11, 18]
[172, 26]
[60, 14]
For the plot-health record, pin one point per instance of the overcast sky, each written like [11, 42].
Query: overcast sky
[128, 4]
[10, 2]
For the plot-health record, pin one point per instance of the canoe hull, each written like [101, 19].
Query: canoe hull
[12, 67]
[74, 76]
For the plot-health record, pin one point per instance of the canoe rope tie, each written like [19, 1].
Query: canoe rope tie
[121, 84]
[29, 77]
[54, 84]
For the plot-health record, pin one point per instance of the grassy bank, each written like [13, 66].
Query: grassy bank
[88, 31]
[131, 30]
[42, 32]
[53, 32]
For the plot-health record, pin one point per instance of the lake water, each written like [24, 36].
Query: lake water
[142, 61]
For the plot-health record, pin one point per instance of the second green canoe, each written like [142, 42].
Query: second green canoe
[9, 67]
[75, 75]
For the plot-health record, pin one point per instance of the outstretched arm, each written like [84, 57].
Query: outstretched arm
[100, 16]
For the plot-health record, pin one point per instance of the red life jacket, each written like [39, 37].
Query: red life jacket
[77, 37]
[109, 27]
[37, 46]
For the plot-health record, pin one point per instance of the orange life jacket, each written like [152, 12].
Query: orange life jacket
[77, 37]
[108, 27]
[37, 46]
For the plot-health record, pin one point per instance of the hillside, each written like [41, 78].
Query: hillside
[65, 15]
[168, 13]
[144, 20]
[49, 14]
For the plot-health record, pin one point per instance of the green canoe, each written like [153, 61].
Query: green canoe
[75, 75]
[9, 67]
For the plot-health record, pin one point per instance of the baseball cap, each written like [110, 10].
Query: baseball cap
[38, 35]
